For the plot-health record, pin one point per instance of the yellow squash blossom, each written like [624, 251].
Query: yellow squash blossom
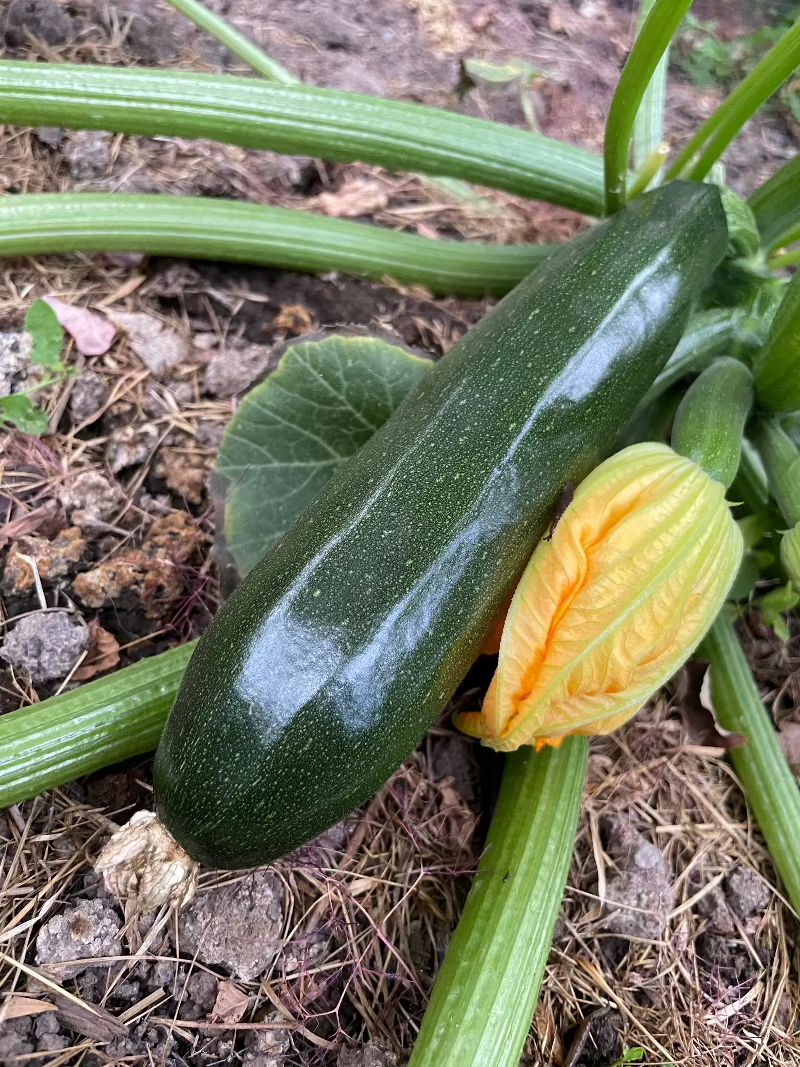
[607, 610]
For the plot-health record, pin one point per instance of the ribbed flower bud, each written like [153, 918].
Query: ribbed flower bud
[790, 554]
[607, 611]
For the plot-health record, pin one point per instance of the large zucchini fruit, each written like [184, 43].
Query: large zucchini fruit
[336, 653]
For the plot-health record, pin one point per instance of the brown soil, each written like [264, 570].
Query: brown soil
[674, 936]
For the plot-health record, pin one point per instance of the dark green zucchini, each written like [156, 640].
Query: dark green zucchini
[336, 653]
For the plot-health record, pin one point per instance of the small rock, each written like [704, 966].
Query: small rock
[51, 136]
[47, 644]
[747, 894]
[373, 1054]
[231, 371]
[158, 346]
[266, 1048]
[209, 434]
[201, 989]
[88, 154]
[92, 498]
[44, 19]
[52, 1043]
[236, 926]
[54, 559]
[153, 36]
[89, 394]
[88, 931]
[15, 360]
[182, 392]
[46, 1023]
[639, 896]
[15, 1040]
[130, 446]
[714, 907]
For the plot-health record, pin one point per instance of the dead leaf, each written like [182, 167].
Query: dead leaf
[698, 710]
[361, 196]
[91, 332]
[230, 1005]
[789, 740]
[103, 653]
[87, 1019]
[17, 1007]
[157, 346]
[28, 523]
[293, 318]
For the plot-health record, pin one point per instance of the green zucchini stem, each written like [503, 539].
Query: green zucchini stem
[648, 128]
[485, 995]
[781, 458]
[301, 120]
[39, 223]
[776, 206]
[769, 784]
[235, 42]
[651, 43]
[105, 721]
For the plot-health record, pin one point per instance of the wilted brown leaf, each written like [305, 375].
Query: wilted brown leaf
[17, 1007]
[358, 197]
[230, 1005]
[103, 653]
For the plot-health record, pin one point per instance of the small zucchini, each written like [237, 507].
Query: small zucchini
[338, 650]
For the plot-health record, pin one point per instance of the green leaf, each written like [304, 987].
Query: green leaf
[19, 411]
[630, 1055]
[48, 337]
[499, 73]
[290, 434]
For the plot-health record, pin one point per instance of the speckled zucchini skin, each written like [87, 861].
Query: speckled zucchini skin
[337, 652]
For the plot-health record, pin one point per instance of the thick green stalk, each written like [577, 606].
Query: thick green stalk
[769, 785]
[221, 31]
[776, 206]
[777, 366]
[33, 224]
[301, 120]
[720, 128]
[781, 458]
[651, 43]
[484, 997]
[648, 129]
[102, 722]
[709, 334]
[710, 420]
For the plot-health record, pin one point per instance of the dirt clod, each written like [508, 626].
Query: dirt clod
[88, 154]
[746, 892]
[231, 371]
[47, 645]
[88, 931]
[15, 359]
[43, 19]
[266, 1048]
[89, 394]
[236, 926]
[639, 896]
[92, 498]
[54, 559]
[373, 1054]
[158, 346]
[130, 446]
